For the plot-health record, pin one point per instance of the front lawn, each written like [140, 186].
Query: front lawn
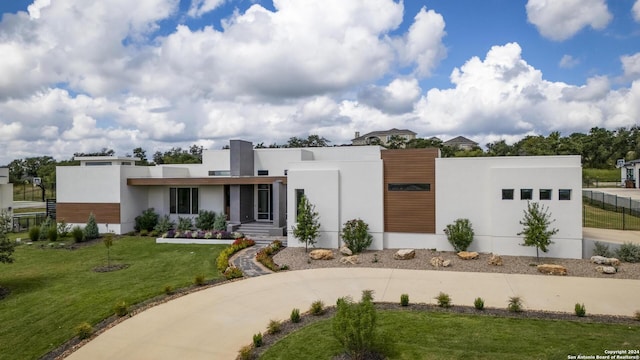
[54, 290]
[430, 335]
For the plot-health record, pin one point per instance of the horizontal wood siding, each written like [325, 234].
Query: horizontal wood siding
[410, 211]
[105, 213]
[243, 180]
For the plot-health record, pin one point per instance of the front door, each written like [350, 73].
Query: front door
[265, 206]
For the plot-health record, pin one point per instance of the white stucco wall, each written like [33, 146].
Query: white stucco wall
[275, 160]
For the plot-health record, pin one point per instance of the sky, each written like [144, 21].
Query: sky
[79, 76]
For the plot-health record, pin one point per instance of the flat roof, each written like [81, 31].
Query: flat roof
[214, 180]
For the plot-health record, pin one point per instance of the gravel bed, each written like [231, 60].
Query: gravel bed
[297, 259]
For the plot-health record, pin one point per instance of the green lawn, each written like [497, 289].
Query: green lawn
[426, 335]
[596, 217]
[602, 174]
[53, 290]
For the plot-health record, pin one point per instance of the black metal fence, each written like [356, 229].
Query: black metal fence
[607, 211]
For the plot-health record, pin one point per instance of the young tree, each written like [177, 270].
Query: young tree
[307, 226]
[6, 246]
[91, 230]
[536, 222]
[108, 242]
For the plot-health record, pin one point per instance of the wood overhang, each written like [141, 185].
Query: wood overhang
[201, 181]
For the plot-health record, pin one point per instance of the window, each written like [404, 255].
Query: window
[409, 187]
[285, 172]
[526, 194]
[545, 194]
[299, 195]
[507, 194]
[564, 194]
[219, 173]
[183, 200]
[263, 172]
[126, 163]
[97, 163]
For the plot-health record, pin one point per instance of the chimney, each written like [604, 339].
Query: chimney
[357, 134]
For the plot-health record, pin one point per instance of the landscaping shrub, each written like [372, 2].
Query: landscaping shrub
[121, 309]
[220, 223]
[317, 308]
[246, 352]
[223, 258]
[199, 280]
[232, 272]
[91, 230]
[354, 325]
[515, 304]
[600, 249]
[184, 223]
[274, 327]
[77, 234]
[205, 219]
[444, 300]
[355, 234]
[636, 315]
[580, 309]
[52, 233]
[144, 232]
[257, 340]
[147, 220]
[295, 316]
[63, 229]
[478, 303]
[404, 299]
[164, 224]
[629, 252]
[460, 234]
[34, 233]
[44, 228]
[84, 331]
[265, 255]
[168, 289]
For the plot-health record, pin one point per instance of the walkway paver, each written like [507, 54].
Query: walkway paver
[245, 260]
[214, 323]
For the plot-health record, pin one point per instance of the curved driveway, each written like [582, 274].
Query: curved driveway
[214, 323]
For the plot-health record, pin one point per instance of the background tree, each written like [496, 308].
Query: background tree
[396, 142]
[536, 222]
[307, 228]
[6, 246]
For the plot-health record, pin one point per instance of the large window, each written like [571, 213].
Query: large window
[526, 194]
[409, 187]
[183, 200]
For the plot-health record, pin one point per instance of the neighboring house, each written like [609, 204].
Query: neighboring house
[630, 173]
[407, 197]
[461, 142]
[381, 137]
[6, 191]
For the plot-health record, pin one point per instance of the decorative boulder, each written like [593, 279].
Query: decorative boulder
[552, 269]
[345, 251]
[438, 262]
[601, 260]
[404, 254]
[606, 269]
[468, 255]
[321, 254]
[353, 259]
[446, 263]
[495, 260]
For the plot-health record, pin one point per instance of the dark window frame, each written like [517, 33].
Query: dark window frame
[508, 194]
[564, 194]
[184, 200]
[263, 172]
[299, 195]
[524, 192]
[545, 194]
[408, 187]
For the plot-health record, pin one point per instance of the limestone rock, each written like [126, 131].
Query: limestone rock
[601, 260]
[321, 254]
[345, 251]
[495, 260]
[446, 263]
[437, 261]
[552, 269]
[606, 269]
[404, 254]
[468, 255]
[353, 259]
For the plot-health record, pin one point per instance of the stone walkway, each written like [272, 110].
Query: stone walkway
[245, 260]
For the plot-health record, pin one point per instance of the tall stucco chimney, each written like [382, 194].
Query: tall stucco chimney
[357, 134]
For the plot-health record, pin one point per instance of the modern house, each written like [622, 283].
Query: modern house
[6, 191]
[461, 142]
[381, 137]
[407, 197]
[630, 173]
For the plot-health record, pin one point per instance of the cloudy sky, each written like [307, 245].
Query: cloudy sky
[77, 75]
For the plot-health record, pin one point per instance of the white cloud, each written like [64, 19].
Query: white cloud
[596, 88]
[568, 62]
[396, 98]
[560, 20]
[631, 65]
[422, 44]
[201, 7]
[34, 9]
[636, 11]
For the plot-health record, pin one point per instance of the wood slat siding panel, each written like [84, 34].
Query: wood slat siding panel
[410, 211]
[249, 180]
[105, 213]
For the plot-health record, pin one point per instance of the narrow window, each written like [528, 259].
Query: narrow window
[172, 201]
[194, 200]
[507, 194]
[409, 187]
[219, 173]
[263, 172]
[184, 199]
[526, 194]
[545, 194]
[564, 194]
[299, 195]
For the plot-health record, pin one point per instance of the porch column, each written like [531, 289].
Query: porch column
[279, 197]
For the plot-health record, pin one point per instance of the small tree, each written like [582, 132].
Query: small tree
[307, 226]
[108, 242]
[460, 234]
[536, 230]
[6, 246]
[355, 234]
[91, 230]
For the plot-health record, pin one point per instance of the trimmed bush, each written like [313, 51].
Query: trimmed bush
[77, 234]
[629, 252]
[404, 299]
[199, 280]
[121, 309]
[164, 224]
[600, 249]
[274, 327]
[91, 230]
[147, 220]
[478, 303]
[295, 316]
[514, 304]
[257, 340]
[580, 310]
[460, 234]
[355, 234]
[84, 331]
[317, 308]
[220, 223]
[34, 233]
[444, 300]
[205, 219]
[184, 223]
[52, 233]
